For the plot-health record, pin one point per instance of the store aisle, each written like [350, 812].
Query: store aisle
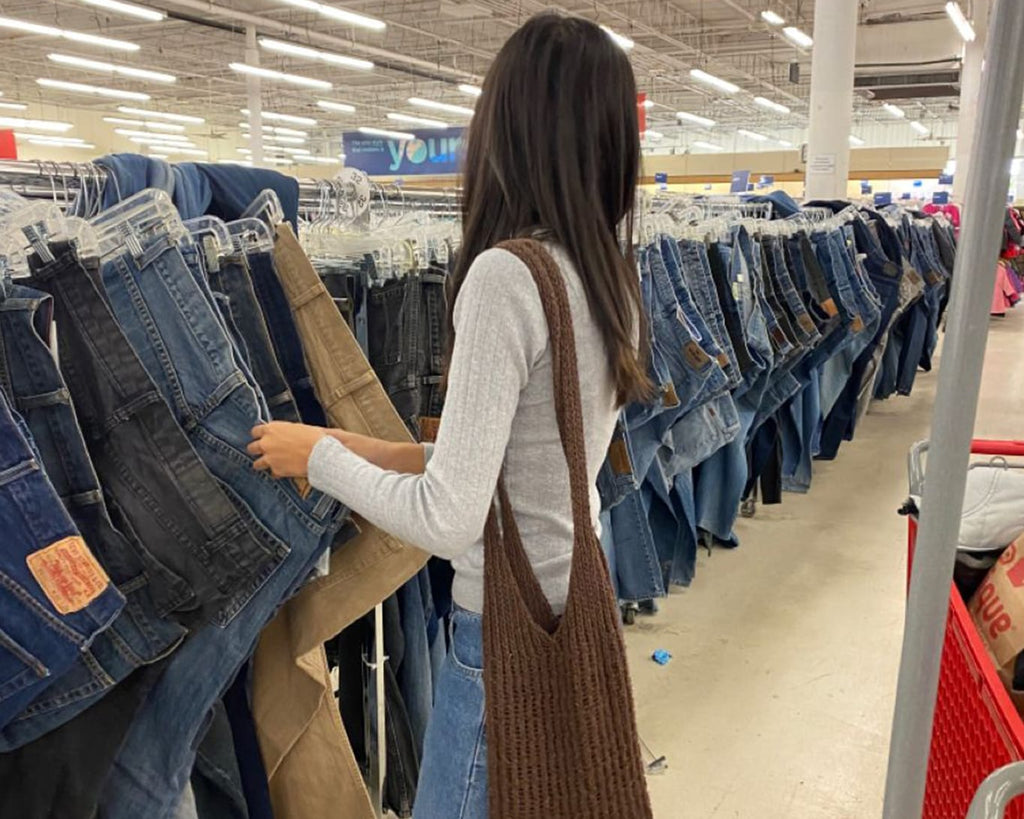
[778, 701]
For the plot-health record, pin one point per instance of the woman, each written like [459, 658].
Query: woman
[553, 153]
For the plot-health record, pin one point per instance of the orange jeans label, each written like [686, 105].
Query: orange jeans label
[68, 574]
[303, 486]
[829, 306]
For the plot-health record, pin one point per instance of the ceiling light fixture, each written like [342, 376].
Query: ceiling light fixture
[246, 162]
[74, 36]
[752, 135]
[159, 156]
[174, 149]
[785, 143]
[274, 129]
[797, 37]
[713, 81]
[284, 47]
[423, 122]
[130, 9]
[342, 15]
[110, 68]
[35, 124]
[130, 132]
[274, 117]
[648, 104]
[472, 90]
[59, 143]
[771, 105]
[284, 149]
[441, 106]
[341, 107]
[895, 110]
[322, 160]
[145, 112]
[771, 18]
[707, 146]
[280, 76]
[694, 118]
[48, 137]
[956, 14]
[139, 123]
[95, 90]
[620, 40]
[856, 141]
[921, 129]
[161, 144]
[285, 140]
[13, 106]
[383, 132]
[655, 135]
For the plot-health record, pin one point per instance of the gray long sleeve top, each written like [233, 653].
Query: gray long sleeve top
[499, 411]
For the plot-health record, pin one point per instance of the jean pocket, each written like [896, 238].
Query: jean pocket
[18, 667]
[462, 662]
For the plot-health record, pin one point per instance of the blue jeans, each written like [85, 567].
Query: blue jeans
[46, 620]
[453, 777]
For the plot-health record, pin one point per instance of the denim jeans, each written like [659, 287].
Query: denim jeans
[394, 341]
[637, 566]
[54, 596]
[434, 330]
[453, 779]
[285, 336]
[232, 279]
[138, 635]
[798, 423]
[204, 556]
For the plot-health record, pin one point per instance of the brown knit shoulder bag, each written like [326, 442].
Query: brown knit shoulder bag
[561, 728]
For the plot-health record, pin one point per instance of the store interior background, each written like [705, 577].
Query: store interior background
[778, 702]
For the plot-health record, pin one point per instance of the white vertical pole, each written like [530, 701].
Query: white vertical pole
[970, 87]
[828, 143]
[252, 57]
[963, 354]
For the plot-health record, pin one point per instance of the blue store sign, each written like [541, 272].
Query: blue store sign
[432, 152]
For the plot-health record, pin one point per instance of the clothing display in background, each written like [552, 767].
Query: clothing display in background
[768, 341]
[173, 341]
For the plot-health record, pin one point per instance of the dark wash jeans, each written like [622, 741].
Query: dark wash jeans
[395, 343]
[29, 375]
[204, 555]
[45, 620]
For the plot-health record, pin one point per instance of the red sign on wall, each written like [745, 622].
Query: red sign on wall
[641, 112]
[8, 148]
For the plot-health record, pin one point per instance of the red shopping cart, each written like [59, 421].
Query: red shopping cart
[976, 728]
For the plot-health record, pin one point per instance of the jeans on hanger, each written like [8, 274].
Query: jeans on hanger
[138, 635]
[434, 328]
[47, 619]
[395, 343]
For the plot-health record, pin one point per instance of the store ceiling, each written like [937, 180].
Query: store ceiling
[908, 53]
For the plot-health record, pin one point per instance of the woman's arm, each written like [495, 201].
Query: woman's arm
[407, 458]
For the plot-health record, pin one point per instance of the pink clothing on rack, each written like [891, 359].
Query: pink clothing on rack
[1005, 294]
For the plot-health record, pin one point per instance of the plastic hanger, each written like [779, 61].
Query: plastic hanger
[266, 206]
[250, 234]
[130, 221]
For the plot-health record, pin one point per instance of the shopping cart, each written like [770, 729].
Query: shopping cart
[977, 730]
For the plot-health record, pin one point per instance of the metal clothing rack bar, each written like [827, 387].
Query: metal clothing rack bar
[954, 414]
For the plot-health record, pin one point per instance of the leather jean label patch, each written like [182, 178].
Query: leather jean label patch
[695, 355]
[829, 306]
[669, 397]
[68, 573]
[857, 324]
[428, 429]
[618, 457]
[806, 324]
[303, 486]
[723, 360]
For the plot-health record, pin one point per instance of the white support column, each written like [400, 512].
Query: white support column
[252, 57]
[828, 144]
[970, 90]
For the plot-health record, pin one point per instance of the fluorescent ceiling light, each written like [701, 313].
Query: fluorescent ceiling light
[35, 124]
[145, 112]
[341, 15]
[921, 129]
[685, 115]
[280, 76]
[95, 90]
[895, 110]
[785, 143]
[283, 149]
[139, 123]
[130, 132]
[158, 156]
[707, 146]
[342, 107]
[956, 14]
[59, 144]
[246, 162]
[797, 37]
[771, 18]
[382, 132]
[472, 90]
[752, 135]
[274, 117]
[276, 160]
[153, 15]
[655, 135]
[620, 40]
[855, 140]
[322, 160]
[162, 144]
[284, 47]
[713, 81]
[274, 129]
[13, 106]
[771, 105]
[110, 68]
[74, 36]
[421, 121]
[441, 106]
[175, 149]
[648, 104]
[285, 140]
[49, 137]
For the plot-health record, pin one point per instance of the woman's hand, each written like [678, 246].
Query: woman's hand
[283, 448]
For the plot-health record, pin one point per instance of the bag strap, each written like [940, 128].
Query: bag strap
[568, 404]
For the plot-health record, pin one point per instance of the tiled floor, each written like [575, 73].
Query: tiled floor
[778, 702]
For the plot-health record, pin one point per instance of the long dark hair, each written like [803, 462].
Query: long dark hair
[554, 146]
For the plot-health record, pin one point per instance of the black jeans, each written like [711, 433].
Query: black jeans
[395, 343]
